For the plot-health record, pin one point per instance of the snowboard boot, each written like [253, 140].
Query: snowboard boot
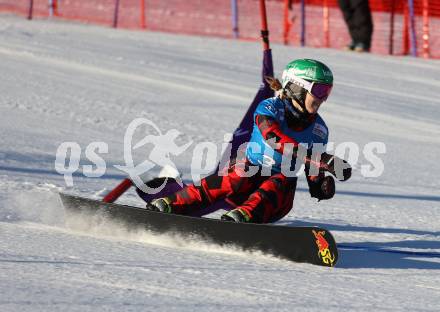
[160, 205]
[236, 215]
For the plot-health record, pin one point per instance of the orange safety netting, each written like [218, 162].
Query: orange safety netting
[324, 24]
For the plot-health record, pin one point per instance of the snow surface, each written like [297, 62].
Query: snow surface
[71, 82]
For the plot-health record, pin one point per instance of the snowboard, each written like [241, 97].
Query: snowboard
[300, 244]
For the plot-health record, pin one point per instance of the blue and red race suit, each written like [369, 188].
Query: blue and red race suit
[265, 198]
[270, 122]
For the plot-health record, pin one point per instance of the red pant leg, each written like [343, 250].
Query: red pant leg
[213, 188]
[272, 200]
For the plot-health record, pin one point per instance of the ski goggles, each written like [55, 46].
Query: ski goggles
[319, 90]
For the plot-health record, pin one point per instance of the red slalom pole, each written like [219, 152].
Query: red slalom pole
[55, 7]
[142, 9]
[286, 25]
[118, 191]
[264, 30]
[405, 36]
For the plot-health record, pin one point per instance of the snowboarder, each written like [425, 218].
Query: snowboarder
[281, 124]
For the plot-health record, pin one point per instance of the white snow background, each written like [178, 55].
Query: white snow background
[70, 82]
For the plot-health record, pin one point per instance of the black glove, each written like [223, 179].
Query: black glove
[322, 188]
[338, 167]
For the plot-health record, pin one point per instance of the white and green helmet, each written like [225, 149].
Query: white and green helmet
[307, 69]
[307, 75]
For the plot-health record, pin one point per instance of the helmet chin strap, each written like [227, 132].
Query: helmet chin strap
[299, 98]
[302, 105]
[298, 94]
[294, 116]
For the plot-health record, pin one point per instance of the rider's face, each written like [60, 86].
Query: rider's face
[312, 103]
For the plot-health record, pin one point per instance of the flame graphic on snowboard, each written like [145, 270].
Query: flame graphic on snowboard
[323, 248]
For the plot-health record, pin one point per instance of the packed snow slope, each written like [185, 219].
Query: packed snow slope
[63, 82]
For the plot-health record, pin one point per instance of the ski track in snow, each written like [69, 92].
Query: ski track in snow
[70, 82]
